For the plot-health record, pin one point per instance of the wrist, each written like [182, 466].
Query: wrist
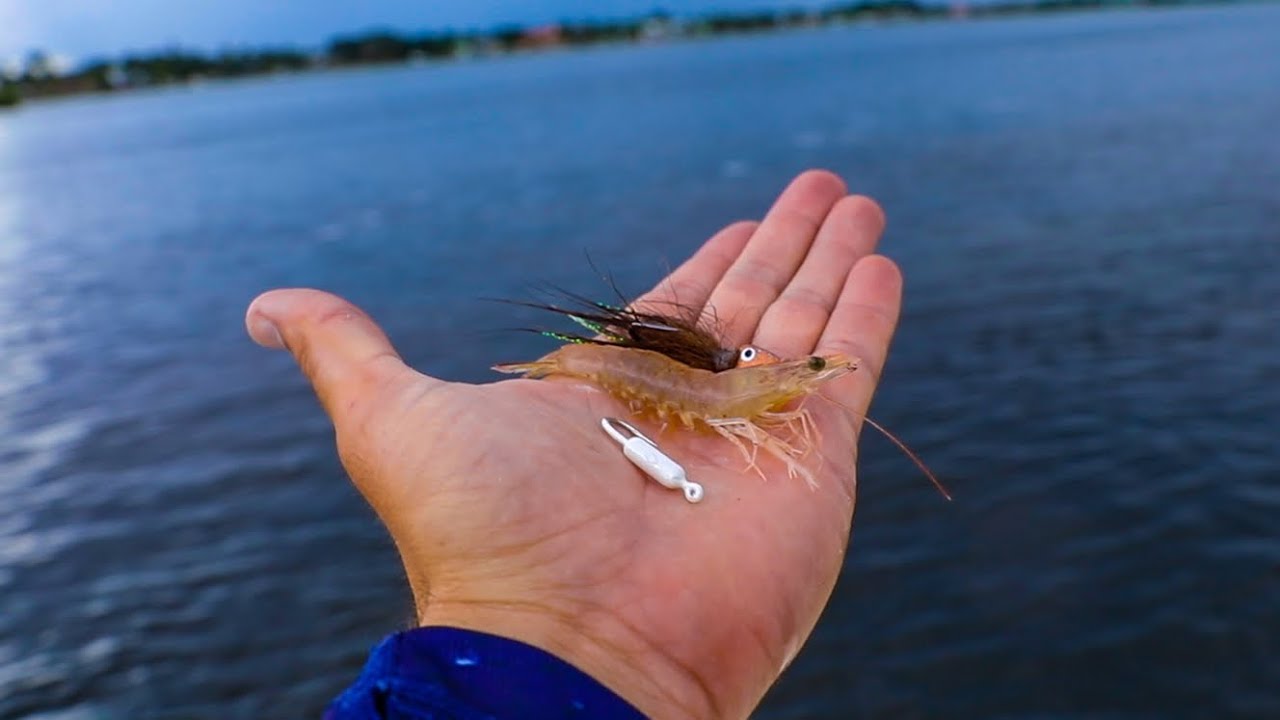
[597, 643]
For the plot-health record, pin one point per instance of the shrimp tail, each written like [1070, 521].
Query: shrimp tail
[534, 370]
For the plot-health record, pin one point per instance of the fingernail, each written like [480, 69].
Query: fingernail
[264, 331]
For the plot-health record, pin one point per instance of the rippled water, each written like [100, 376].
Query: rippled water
[1086, 208]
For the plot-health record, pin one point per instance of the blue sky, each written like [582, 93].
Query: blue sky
[80, 28]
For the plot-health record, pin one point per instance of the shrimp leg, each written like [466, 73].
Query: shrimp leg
[737, 429]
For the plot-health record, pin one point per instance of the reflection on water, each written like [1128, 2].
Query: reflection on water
[1085, 209]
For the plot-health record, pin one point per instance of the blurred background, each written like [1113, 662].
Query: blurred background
[1085, 201]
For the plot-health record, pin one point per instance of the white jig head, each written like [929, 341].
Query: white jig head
[644, 453]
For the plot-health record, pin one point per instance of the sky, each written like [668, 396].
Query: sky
[79, 29]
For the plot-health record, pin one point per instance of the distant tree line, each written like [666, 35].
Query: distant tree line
[388, 46]
[40, 77]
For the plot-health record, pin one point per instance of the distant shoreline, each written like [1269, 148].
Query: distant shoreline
[39, 79]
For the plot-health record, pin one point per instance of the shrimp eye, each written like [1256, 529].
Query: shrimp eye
[747, 355]
[816, 363]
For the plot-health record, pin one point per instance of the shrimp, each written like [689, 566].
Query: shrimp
[741, 404]
[672, 366]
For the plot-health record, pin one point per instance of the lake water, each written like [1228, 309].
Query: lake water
[1087, 210]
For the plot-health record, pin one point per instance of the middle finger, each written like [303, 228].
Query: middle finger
[773, 254]
[794, 322]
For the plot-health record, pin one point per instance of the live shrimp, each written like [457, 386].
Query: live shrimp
[742, 404]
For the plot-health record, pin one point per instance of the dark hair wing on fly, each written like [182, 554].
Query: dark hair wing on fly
[678, 334]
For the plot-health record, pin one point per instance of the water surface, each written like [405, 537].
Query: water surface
[1086, 211]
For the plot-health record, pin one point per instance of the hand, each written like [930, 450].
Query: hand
[515, 514]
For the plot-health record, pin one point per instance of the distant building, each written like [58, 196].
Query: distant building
[658, 27]
[541, 36]
[10, 69]
[45, 66]
[115, 77]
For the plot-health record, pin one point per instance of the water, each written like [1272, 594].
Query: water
[1086, 211]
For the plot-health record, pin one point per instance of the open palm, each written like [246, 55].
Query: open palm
[515, 514]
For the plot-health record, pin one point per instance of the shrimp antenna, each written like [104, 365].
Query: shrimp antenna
[901, 446]
[910, 454]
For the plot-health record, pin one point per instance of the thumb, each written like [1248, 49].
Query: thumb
[341, 350]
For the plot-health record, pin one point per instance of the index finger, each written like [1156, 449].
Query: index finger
[689, 285]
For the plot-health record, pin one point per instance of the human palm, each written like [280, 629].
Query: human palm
[515, 514]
